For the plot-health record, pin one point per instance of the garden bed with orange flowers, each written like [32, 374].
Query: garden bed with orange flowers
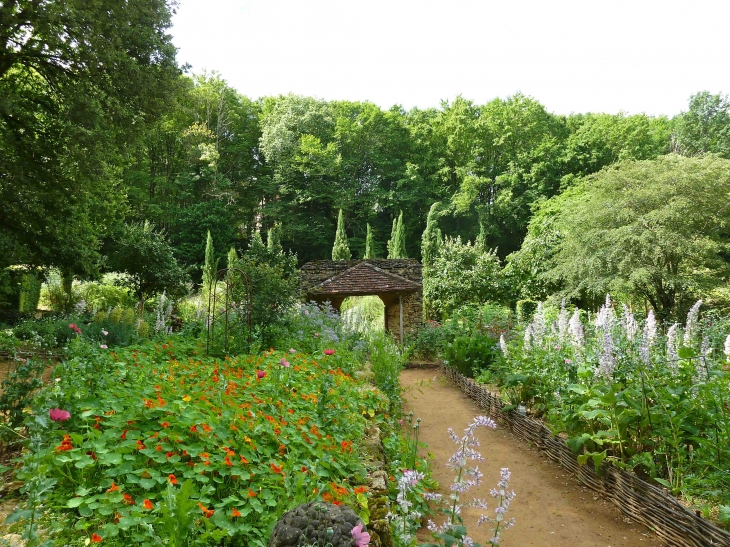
[165, 445]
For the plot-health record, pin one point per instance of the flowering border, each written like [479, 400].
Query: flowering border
[645, 503]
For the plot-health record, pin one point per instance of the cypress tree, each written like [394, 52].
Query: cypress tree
[369, 244]
[273, 240]
[481, 241]
[431, 239]
[210, 267]
[397, 247]
[341, 249]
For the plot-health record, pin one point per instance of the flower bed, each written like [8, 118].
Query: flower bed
[158, 430]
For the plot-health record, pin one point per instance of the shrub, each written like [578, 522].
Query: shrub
[472, 352]
[18, 390]
[30, 292]
[525, 309]
[430, 340]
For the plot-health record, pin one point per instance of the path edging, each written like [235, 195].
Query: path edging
[635, 498]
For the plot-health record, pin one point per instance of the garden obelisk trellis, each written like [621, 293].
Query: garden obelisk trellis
[234, 280]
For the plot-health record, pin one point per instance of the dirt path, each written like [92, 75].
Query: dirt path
[551, 508]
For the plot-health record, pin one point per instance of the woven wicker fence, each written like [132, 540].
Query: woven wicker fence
[637, 499]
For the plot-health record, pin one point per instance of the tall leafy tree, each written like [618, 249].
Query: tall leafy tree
[654, 230]
[705, 127]
[77, 82]
[341, 249]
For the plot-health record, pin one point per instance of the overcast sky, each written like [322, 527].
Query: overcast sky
[572, 56]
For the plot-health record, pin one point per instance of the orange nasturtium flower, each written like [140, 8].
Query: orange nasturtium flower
[235, 513]
[128, 499]
[147, 504]
[172, 479]
[207, 513]
[275, 468]
[112, 488]
[96, 538]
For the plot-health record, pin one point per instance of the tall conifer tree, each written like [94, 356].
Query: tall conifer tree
[369, 244]
[397, 247]
[341, 249]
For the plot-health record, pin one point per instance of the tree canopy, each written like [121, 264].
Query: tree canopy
[655, 230]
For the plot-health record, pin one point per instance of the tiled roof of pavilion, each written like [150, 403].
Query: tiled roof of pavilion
[362, 279]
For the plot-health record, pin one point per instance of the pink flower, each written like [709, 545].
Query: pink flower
[316, 334]
[260, 374]
[329, 352]
[58, 415]
[284, 363]
[104, 332]
[103, 346]
[362, 539]
[72, 326]
[292, 351]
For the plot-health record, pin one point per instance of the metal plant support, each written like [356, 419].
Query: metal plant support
[232, 278]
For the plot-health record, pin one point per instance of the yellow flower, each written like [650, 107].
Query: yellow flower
[186, 398]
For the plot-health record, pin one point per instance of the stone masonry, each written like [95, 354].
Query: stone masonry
[398, 283]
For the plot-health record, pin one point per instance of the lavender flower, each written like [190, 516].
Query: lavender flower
[527, 342]
[575, 328]
[503, 345]
[628, 321]
[606, 319]
[672, 357]
[563, 324]
[607, 359]
[539, 326]
[466, 477]
[690, 327]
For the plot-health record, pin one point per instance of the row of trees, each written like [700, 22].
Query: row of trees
[99, 134]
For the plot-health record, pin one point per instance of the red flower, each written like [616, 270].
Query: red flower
[128, 499]
[329, 352]
[260, 374]
[172, 479]
[58, 415]
[66, 444]
[275, 468]
[112, 488]
[147, 504]
[96, 538]
[235, 513]
[165, 424]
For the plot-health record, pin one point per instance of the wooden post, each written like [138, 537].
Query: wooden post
[400, 303]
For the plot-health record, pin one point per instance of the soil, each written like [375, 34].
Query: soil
[550, 508]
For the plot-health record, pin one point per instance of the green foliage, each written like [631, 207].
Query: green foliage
[17, 392]
[104, 294]
[369, 244]
[341, 249]
[210, 268]
[74, 91]
[397, 243]
[387, 360]
[30, 292]
[142, 253]
[431, 239]
[472, 351]
[461, 274]
[524, 310]
[223, 463]
[274, 280]
[705, 127]
[654, 230]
